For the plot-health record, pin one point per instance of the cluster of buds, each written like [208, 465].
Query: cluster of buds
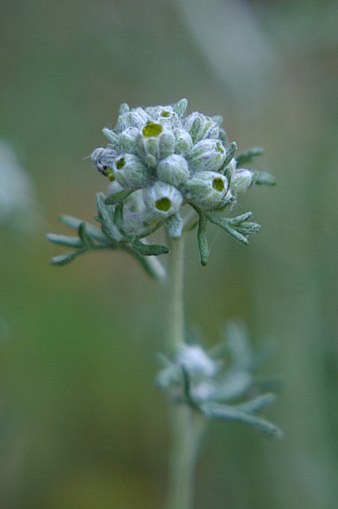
[163, 160]
[220, 383]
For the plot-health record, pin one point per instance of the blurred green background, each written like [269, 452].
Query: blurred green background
[81, 423]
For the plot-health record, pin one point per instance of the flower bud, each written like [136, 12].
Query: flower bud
[167, 144]
[163, 200]
[207, 155]
[134, 118]
[196, 361]
[164, 115]
[128, 140]
[241, 180]
[231, 168]
[130, 172]
[174, 226]
[206, 189]
[173, 170]
[111, 136]
[200, 127]
[181, 107]
[183, 142]
[155, 143]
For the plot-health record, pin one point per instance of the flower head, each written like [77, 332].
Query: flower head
[177, 161]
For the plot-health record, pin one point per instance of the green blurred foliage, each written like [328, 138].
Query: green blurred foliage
[81, 424]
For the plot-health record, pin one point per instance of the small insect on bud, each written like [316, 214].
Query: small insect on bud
[163, 200]
[183, 143]
[130, 172]
[206, 189]
[128, 140]
[207, 155]
[241, 180]
[104, 159]
[173, 170]
[200, 127]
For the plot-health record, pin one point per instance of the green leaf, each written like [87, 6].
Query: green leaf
[65, 240]
[257, 404]
[202, 239]
[106, 219]
[229, 413]
[223, 223]
[263, 178]
[118, 220]
[74, 223]
[236, 221]
[151, 265]
[84, 236]
[231, 149]
[247, 157]
[66, 258]
[117, 197]
[149, 249]
[249, 228]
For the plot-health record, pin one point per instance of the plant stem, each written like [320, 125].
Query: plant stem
[183, 425]
[174, 295]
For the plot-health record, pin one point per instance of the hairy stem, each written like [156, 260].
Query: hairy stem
[183, 422]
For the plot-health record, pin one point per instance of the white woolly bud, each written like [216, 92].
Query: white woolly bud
[155, 143]
[194, 359]
[165, 115]
[207, 155]
[128, 140]
[130, 172]
[232, 166]
[206, 189]
[241, 180]
[173, 170]
[183, 142]
[111, 136]
[180, 107]
[163, 199]
[200, 127]
[134, 118]
[167, 144]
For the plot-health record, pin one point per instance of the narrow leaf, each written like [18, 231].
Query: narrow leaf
[223, 223]
[235, 221]
[66, 258]
[231, 149]
[257, 404]
[246, 157]
[84, 236]
[263, 178]
[149, 249]
[202, 239]
[151, 264]
[229, 413]
[117, 197]
[106, 220]
[64, 240]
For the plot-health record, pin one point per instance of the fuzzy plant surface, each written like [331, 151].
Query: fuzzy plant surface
[177, 172]
[166, 169]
